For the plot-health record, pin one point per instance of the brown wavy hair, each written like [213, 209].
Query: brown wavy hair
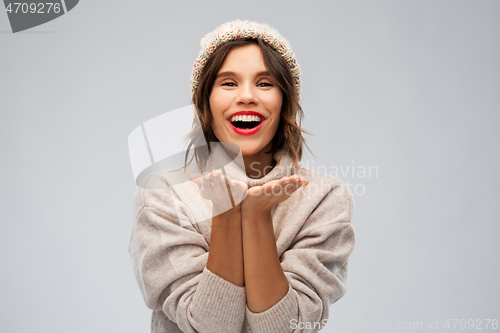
[288, 137]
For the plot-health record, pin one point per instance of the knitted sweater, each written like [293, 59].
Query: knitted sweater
[170, 242]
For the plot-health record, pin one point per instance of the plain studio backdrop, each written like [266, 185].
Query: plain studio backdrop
[409, 89]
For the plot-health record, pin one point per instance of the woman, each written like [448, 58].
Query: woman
[276, 257]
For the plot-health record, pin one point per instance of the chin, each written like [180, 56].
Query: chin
[249, 146]
[251, 152]
[246, 152]
[248, 149]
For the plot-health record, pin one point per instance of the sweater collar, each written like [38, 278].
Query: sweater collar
[234, 167]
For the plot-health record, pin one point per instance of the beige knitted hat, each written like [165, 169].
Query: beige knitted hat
[238, 29]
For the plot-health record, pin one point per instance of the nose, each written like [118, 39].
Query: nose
[247, 94]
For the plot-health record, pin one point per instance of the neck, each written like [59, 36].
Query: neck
[260, 164]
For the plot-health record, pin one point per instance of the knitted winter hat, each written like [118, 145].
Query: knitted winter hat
[238, 29]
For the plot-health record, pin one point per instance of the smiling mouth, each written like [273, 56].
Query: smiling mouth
[245, 122]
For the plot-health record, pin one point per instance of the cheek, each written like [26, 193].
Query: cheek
[277, 108]
[216, 98]
[277, 102]
[216, 129]
[214, 109]
[276, 125]
[212, 102]
[215, 123]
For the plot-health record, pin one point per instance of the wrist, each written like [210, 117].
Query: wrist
[255, 213]
[227, 215]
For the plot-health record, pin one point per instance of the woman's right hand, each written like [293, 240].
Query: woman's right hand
[219, 189]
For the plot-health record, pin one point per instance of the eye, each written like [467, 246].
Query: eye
[266, 84]
[227, 84]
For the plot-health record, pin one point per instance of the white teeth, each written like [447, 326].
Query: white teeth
[245, 118]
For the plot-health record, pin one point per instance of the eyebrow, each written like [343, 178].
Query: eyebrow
[229, 73]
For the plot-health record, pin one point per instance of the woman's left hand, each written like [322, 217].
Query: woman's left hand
[261, 199]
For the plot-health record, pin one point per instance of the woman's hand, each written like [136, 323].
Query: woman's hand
[224, 193]
[261, 199]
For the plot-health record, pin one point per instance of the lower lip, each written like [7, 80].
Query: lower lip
[246, 131]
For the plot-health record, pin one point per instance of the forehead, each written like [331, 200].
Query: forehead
[244, 58]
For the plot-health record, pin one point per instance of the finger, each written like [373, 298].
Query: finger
[238, 184]
[284, 181]
[277, 189]
[238, 190]
[206, 181]
[196, 178]
[298, 181]
[292, 185]
[303, 181]
[292, 180]
[206, 186]
[219, 181]
[289, 189]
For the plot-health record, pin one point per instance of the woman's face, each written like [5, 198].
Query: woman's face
[245, 101]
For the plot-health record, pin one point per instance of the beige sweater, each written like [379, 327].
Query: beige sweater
[170, 242]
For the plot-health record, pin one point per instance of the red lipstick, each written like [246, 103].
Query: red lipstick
[246, 131]
[246, 113]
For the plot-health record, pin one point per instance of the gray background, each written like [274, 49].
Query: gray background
[411, 87]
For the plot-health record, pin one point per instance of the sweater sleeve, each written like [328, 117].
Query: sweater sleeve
[316, 267]
[169, 260]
